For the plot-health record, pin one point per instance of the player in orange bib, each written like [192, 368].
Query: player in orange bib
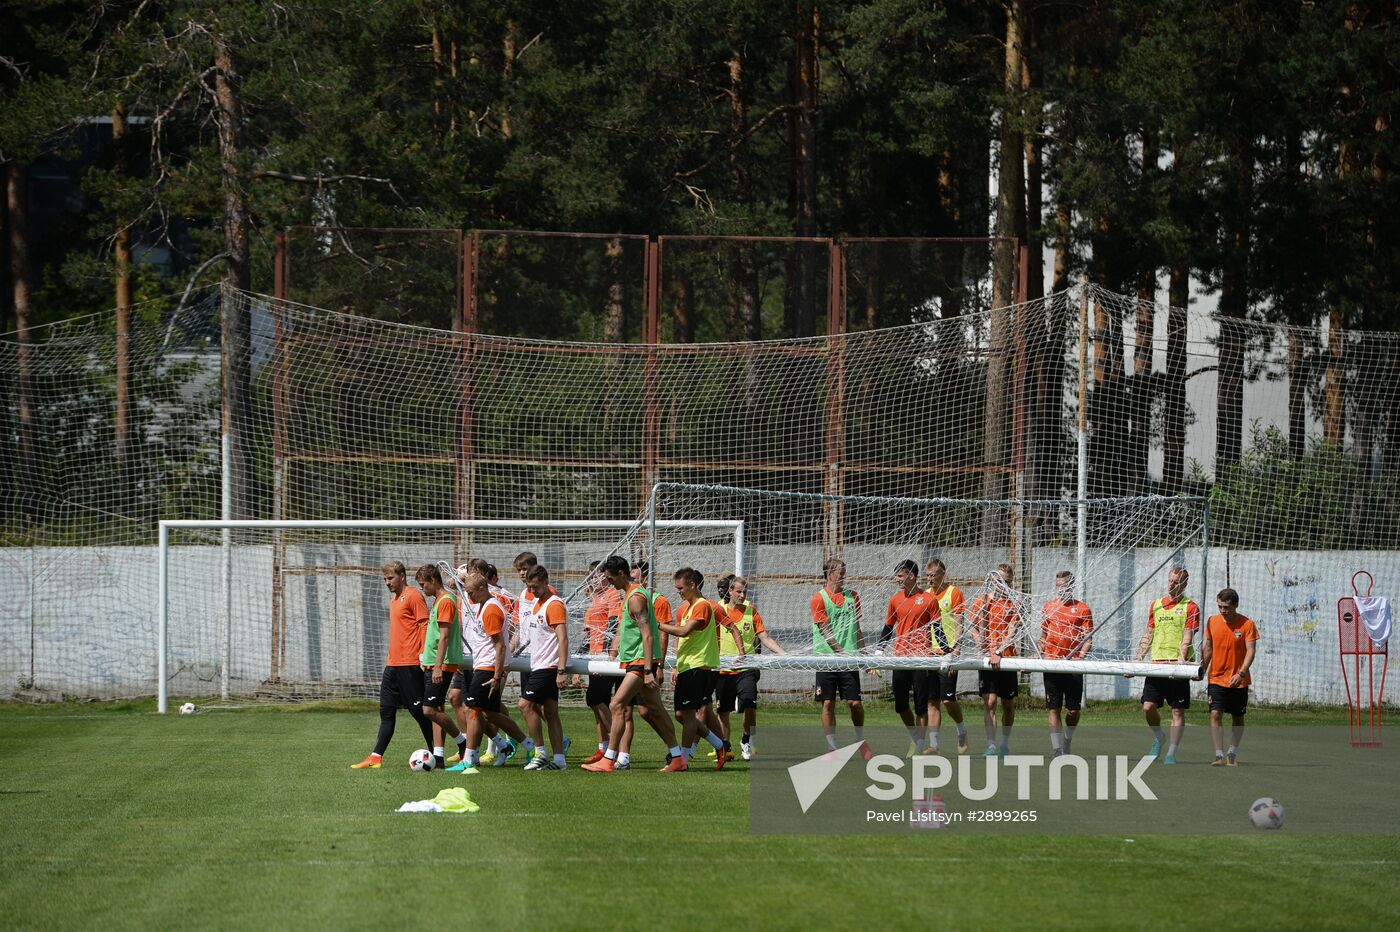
[1066, 633]
[908, 618]
[1226, 655]
[995, 618]
[600, 627]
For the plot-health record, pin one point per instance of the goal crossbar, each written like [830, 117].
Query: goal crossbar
[733, 526]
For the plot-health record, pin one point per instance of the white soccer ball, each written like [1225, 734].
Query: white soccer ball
[187, 708]
[421, 760]
[1266, 812]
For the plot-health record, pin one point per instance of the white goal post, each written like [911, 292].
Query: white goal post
[730, 527]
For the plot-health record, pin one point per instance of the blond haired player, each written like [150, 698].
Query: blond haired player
[947, 627]
[1172, 622]
[401, 686]
[836, 630]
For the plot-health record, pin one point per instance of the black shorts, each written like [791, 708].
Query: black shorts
[943, 686]
[1231, 701]
[541, 686]
[435, 694]
[479, 696]
[401, 687]
[1002, 682]
[600, 690]
[737, 691]
[838, 684]
[1163, 690]
[459, 681]
[1064, 690]
[695, 688]
[906, 681]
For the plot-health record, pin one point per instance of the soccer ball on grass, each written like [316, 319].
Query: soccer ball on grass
[187, 708]
[1266, 812]
[421, 760]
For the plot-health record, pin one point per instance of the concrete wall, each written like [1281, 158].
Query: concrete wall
[82, 621]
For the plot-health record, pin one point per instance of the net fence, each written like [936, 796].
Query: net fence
[1289, 432]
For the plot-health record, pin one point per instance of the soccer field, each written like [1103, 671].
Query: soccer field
[117, 818]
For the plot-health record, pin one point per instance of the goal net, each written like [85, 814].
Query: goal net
[297, 610]
[1129, 546]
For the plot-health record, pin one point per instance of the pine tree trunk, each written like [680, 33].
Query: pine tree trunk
[122, 250]
[508, 44]
[1174, 425]
[1297, 394]
[237, 335]
[1140, 414]
[950, 206]
[27, 469]
[1234, 305]
[685, 309]
[1010, 227]
[615, 320]
[804, 166]
[749, 313]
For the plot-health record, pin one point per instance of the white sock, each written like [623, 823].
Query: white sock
[860, 732]
[1055, 740]
[687, 753]
[962, 729]
[559, 760]
[1231, 749]
[602, 746]
[991, 732]
[1219, 753]
[752, 732]
[624, 759]
[1171, 750]
[676, 751]
[1005, 737]
[501, 743]
[610, 754]
[461, 741]
[694, 746]
[831, 742]
[529, 747]
[471, 756]
[1157, 732]
[933, 740]
[437, 751]
[1069, 732]
[715, 740]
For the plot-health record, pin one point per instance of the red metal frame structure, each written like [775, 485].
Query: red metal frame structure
[1358, 651]
[833, 469]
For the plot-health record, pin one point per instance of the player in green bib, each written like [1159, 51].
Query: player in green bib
[836, 630]
[1172, 623]
[442, 657]
[697, 663]
[639, 642]
[743, 636]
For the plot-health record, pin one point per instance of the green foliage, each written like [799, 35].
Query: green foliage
[1323, 501]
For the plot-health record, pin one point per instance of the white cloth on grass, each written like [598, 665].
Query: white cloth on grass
[1375, 615]
[420, 805]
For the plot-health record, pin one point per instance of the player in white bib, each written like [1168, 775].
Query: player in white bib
[483, 630]
[545, 626]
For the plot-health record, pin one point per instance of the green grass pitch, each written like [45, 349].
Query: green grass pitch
[114, 817]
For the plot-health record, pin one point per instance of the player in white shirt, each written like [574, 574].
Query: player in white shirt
[546, 626]
[483, 629]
